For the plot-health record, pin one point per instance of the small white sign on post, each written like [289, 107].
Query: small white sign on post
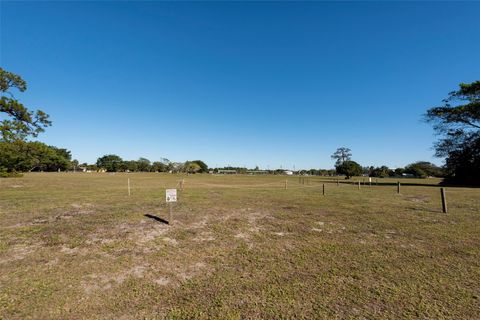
[171, 195]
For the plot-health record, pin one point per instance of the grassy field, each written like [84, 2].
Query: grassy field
[77, 246]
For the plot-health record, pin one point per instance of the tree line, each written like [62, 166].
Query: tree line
[344, 165]
[456, 121]
[114, 163]
[22, 156]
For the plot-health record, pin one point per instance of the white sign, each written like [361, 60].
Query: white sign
[370, 179]
[171, 195]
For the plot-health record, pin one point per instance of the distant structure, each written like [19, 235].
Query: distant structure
[257, 172]
[226, 171]
[288, 172]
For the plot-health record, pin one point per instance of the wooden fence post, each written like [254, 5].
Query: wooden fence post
[444, 200]
[398, 187]
[323, 189]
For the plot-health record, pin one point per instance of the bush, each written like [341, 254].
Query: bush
[4, 174]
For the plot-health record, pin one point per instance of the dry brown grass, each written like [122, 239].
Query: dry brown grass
[76, 246]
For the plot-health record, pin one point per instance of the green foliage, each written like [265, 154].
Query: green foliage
[20, 122]
[191, 167]
[5, 174]
[21, 156]
[458, 122]
[341, 155]
[143, 165]
[110, 162]
[114, 163]
[203, 166]
[320, 172]
[380, 172]
[423, 169]
[159, 166]
[463, 164]
[349, 168]
[74, 164]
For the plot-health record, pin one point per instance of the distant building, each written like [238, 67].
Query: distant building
[225, 171]
[257, 172]
[288, 172]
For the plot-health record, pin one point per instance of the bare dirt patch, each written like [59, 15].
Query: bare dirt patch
[418, 198]
[19, 252]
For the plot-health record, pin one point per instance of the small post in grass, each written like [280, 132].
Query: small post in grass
[398, 187]
[358, 184]
[323, 189]
[444, 200]
[286, 184]
[337, 183]
[128, 186]
[170, 198]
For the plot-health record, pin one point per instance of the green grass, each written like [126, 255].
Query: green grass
[76, 246]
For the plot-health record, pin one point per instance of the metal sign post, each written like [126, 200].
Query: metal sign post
[170, 197]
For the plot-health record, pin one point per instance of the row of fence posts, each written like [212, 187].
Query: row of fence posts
[302, 180]
[181, 183]
[442, 190]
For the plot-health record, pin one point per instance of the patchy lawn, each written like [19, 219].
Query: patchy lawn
[76, 246]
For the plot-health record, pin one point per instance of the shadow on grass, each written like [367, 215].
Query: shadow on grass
[151, 216]
[424, 210]
[411, 184]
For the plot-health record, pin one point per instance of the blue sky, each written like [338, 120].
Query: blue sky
[269, 83]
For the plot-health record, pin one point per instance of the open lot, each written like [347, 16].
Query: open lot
[77, 246]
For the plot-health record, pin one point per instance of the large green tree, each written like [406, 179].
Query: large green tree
[381, 172]
[191, 167]
[22, 156]
[159, 166]
[203, 165]
[424, 169]
[341, 155]
[143, 164]
[349, 168]
[457, 121]
[110, 162]
[19, 122]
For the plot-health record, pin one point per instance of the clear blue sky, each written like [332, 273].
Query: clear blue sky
[269, 83]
